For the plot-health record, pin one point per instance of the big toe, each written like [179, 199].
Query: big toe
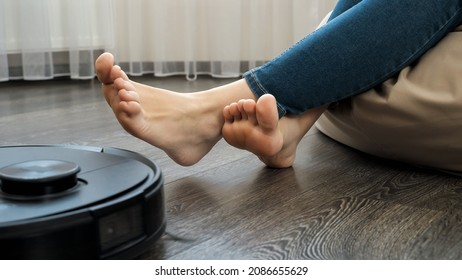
[267, 112]
[103, 66]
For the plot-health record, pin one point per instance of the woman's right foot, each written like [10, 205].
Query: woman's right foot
[179, 124]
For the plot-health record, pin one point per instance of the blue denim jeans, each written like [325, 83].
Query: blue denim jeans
[364, 43]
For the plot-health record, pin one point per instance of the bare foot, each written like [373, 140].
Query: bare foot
[254, 126]
[185, 126]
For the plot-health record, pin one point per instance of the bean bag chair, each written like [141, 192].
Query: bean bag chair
[415, 117]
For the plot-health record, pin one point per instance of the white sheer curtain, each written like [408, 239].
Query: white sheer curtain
[42, 39]
[222, 38]
[3, 57]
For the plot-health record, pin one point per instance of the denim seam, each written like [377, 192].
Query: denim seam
[261, 91]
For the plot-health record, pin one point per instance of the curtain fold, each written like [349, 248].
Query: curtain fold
[43, 39]
[35, 40]
[4, 73]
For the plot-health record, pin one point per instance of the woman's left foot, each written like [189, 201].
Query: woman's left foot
[255, 126]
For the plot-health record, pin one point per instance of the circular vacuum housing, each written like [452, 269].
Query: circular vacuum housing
[73, 202]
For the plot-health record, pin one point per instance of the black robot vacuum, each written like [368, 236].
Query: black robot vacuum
[73, 202]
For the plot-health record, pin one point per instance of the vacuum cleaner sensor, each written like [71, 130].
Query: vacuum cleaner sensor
[75, 202]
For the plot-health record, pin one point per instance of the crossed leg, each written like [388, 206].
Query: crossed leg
[187, 126]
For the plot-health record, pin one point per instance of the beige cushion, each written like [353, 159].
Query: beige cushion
[415, 117]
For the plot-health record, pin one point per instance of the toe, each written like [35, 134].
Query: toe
[227, 114]
[266, 112]
[117, 72]
[242, 111]
[128, 95]
[103, 66]
[120, 83]
[234, 111]
[249, 108]
[130, 107]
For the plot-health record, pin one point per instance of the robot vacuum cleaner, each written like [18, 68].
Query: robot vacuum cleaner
[74, 202]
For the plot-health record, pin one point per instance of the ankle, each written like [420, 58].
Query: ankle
[204, 116]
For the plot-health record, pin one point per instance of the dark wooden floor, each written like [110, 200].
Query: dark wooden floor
[335, 203]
